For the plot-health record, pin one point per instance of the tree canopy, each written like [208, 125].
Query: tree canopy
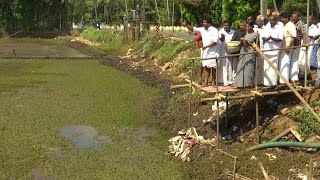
[60, 14]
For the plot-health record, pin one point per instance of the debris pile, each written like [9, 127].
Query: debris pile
[84, 41]
[181, 145]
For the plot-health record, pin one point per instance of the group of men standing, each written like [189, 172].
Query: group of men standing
[282, 31]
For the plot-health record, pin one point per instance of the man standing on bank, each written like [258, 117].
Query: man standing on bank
[210, 39]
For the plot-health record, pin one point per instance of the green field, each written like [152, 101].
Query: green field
[41, 97]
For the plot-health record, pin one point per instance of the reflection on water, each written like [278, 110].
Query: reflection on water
[84, 137]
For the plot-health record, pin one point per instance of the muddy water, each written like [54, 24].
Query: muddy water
[31, 47]
[84, 137]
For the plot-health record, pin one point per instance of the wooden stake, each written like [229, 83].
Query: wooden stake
[310, 173]
[281, 135]
[179, 86]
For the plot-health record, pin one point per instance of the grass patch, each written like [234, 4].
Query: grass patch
[82, 92]
[171, 49]
[186, 64]
[309, 125]
[111, 42]
[148, 45]
[10, 70]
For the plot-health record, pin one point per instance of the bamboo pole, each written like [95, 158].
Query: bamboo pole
[233, 55]
[307, 47]
[194, 84]
[190, 92]
[179, 86]
[218, 115]
[286, 81]
[251, 95]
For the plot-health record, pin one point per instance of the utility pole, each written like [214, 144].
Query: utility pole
[263, 8]
[137, 21]
[143, 18]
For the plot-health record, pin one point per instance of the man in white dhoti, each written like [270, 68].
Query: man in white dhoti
[259, 30]
[288, 66]
[272, 39]
[210, 39]
[225, 74]
[313, 35]
[299, 53]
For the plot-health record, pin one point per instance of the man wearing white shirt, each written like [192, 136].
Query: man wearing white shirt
[225, 75]
[259, 30]
[313, 35]
[288, 65]
[272, 38]
[210, 39]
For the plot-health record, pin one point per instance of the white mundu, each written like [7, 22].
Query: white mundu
[225, 74]
[288, 65]
[209, 36]
[270, 77]
[313, 31]
[260, 60]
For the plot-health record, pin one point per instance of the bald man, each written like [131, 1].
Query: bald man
[275, 15]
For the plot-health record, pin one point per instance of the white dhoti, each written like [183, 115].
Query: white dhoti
[211, 63]
[284, 64]
[225, 75]
[294, 68]
[270, 76]
[303, 61]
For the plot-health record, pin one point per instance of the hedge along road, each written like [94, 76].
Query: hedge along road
[77, 119]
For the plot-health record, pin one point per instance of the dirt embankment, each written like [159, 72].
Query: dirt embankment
[172, 113]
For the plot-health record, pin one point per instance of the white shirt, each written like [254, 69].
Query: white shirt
[259, 31]
[209, 36]
[227, 38]
[289, 31]
[313, 31]
[275, 32]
